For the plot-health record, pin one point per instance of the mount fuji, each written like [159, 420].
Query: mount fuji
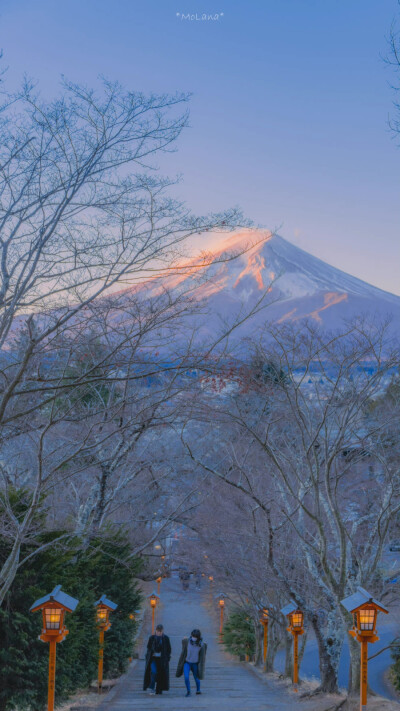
[297, 286]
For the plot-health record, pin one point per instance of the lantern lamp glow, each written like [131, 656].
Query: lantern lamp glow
[296, 628]
[154, 600]
[103, 609]
[364, 609]
[53, 607]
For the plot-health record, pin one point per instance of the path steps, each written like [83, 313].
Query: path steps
[228, 685]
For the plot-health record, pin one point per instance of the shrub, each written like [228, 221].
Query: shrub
[239, 635]
[86, 572]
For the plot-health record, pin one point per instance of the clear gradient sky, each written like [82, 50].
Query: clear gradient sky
[289, 117]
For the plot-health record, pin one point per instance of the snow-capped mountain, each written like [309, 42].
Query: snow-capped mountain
[298, 286]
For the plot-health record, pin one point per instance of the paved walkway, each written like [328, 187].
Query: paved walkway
[227, 684]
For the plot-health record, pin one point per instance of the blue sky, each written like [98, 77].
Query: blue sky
[290, 108]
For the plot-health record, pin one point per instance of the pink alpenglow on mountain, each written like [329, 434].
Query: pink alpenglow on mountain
[291, 284]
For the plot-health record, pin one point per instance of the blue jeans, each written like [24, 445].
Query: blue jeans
[194, 668]
[154, 672]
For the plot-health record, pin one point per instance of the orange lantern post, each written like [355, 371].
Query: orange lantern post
[54, 606]
[264, 623]
[296, 627]
[154, 600]
[221, 603]
[103, 609]
[364, 609]
[211, 579]
[158, 581]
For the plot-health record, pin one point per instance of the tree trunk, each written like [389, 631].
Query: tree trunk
[273, 644]
[288, 655]
[329, 648]
[259, 644]
[354, 671]
[303, 642]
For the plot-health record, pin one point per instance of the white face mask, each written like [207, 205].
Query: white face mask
[194, 639]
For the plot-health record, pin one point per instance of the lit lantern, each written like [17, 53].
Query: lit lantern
[366, 620]
[53, 607]
[102, 616]
[296, 620]
[364, 609]
[296, 628]
[158, 581]
[153, 599]
[103, 609]
[53, 618]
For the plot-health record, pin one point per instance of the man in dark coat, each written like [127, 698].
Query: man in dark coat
[158, 655]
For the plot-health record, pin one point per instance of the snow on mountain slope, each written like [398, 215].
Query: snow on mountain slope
[298, 286]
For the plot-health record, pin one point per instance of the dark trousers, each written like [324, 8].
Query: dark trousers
[154, 668]
[194, 668]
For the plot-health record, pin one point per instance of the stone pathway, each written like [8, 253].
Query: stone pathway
[228, 685]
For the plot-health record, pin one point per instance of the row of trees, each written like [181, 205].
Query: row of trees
[86, 392]
[301, 455]
[93, 376]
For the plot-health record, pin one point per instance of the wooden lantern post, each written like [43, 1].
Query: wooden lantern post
[158, 581]
[221, 603]
[364, 609]
[264, 623]
[103, 609]
[154, 600]
[296, 627]
[53, 606]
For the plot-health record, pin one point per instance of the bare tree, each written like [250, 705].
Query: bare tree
[310, 444]
[82, 210]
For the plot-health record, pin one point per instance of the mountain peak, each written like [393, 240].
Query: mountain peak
[299, 285]
[231, 277]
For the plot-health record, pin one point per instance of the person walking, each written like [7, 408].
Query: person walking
[192, 659]
[158, 655]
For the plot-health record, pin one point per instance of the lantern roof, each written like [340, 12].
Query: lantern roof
[359, 599]
[153, 595]
[106, 603]
[291, 607]
[56, 595]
